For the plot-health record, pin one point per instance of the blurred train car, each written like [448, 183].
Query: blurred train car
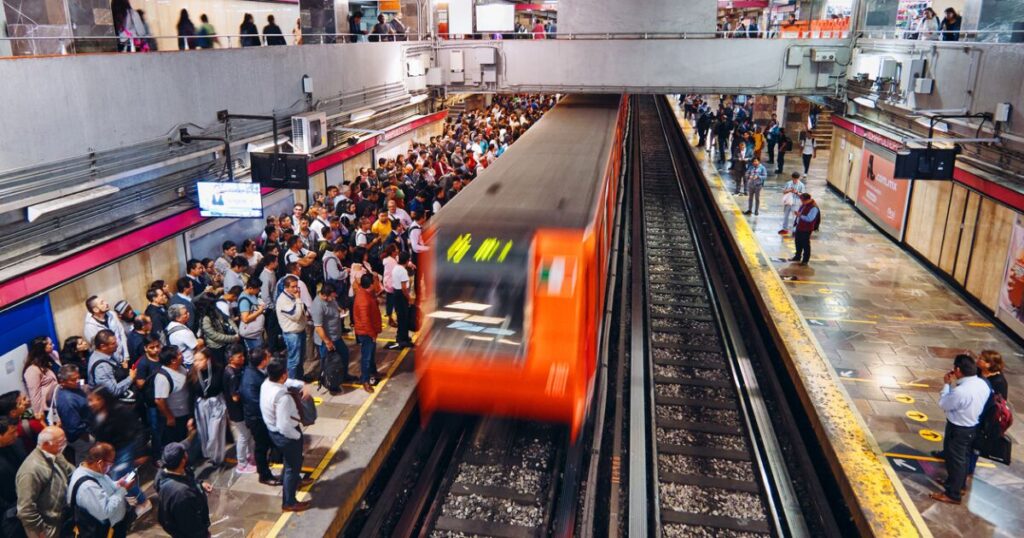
[515, 279]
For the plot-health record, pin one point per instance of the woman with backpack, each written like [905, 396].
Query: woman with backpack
[990, 368]
[219, 330]
[206, 384]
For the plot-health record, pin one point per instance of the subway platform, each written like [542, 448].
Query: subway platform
[353, 434]
[889, 328]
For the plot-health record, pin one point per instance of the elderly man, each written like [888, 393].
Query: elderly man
[42, 485]
[180, 335]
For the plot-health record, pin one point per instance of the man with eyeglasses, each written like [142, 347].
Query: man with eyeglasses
[42, 485]
[97, 503]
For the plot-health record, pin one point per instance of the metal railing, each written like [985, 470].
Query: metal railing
[56, 45]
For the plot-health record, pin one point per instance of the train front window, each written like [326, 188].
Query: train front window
[480, 294]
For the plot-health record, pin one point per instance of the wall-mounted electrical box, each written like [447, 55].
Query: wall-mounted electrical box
[1002, 112]
[455, 61]
[823, 55]
[794, 57]
[887, 68]
[924, 85]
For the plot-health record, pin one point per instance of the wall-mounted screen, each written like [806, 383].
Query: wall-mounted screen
[237, 200]
[496, 18]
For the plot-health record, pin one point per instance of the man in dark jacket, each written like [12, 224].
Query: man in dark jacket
[249, 392]
[184, 510]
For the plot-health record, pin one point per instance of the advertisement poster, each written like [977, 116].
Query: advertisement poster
[1011, 296]
[881, 197]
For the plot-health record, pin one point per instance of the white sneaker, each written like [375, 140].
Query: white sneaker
[142, 508]
[245, 468]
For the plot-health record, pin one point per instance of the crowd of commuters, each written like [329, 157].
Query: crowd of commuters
[738, 144]
[225, 347]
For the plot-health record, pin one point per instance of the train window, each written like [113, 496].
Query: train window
[480, 294]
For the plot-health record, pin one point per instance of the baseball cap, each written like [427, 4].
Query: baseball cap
[121, 307]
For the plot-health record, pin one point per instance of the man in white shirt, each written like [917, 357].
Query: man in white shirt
[282, 418]
[402, 301]
[962, 398]
[397, 213]
[320, 222]
[101, 501]
[179, 335]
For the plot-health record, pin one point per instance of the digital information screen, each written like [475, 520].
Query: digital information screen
[237, 200]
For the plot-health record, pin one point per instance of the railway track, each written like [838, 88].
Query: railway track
[714, 464]
[690, 434]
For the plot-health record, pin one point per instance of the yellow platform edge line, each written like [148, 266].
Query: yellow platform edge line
[884, 503]
[303, 492]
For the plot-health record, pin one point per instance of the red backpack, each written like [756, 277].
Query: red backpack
[1001, 412]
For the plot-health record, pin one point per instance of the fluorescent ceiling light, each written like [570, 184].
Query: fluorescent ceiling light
[473, 307]
[71, 200]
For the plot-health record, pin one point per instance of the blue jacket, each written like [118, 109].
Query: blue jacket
[249, 391]
[74, 412]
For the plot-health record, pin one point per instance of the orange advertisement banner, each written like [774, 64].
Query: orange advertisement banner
[390, 5]
[881, 196]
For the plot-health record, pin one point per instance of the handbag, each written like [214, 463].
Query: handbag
[787, 198]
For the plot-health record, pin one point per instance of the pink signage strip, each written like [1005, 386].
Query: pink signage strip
[41, 279]
[987, 187]
[414, 124]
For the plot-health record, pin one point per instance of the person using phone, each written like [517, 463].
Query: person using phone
[97, 503]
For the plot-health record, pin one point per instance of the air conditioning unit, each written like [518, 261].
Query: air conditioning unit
[309, 132]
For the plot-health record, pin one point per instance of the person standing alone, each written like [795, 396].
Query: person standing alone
[755, 177]
[808, 218]
[808, 150]
[962, 398]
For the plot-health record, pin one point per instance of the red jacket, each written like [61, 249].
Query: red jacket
[803, 225]
[366, 318]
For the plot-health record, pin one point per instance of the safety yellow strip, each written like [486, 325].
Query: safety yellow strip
[932, 459]
[879, 495]
[303, 492]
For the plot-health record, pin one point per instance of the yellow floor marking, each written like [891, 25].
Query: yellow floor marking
[820, 282]
[303, 492]
[905, 398]
[930, 435]
[932, 459]
[982, 324]
[900, 383]
[917, 416]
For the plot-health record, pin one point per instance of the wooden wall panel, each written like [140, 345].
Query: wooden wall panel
[351, 166]
[988, 259]
[126, 279]
[967, 237]
[926, 219]
[951, 233]
[837, 158]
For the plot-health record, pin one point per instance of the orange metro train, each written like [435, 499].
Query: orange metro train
[514, 283]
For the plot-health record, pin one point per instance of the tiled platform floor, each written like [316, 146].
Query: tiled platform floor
[891, 327]
[240, 506]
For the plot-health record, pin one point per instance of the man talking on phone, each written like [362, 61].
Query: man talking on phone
[97, 503]
[963, 398]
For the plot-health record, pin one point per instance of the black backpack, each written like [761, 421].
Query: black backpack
[149, 386]
[333, 372]
[81, 521]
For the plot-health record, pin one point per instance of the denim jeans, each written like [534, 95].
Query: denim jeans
[291, 451]
[253, 343]
[341, 348]
[296, 345]
[956, 450]
[124, 461]
[786, 211]
[368, 358]
[156, 430]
